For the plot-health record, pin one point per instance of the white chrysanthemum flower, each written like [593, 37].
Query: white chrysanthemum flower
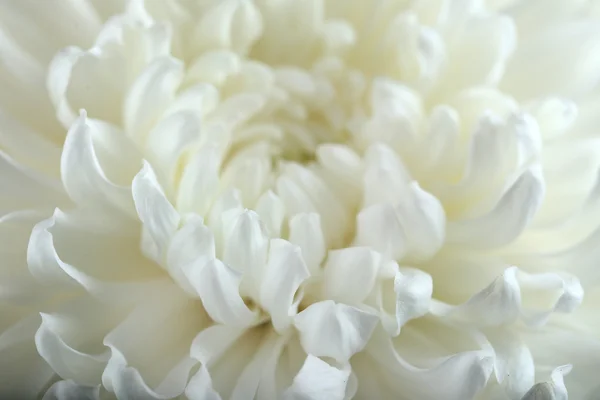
[300, 199]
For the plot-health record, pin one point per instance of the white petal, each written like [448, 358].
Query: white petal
[200, 99]
[459, 377]
[554, 115]
[193, 243]
[200, 181]
[29, 146]
[200, 386]
[83, 176]
[509, 217]
[69, 390]
[546, 293]
[497, 304]
[306, 232]
[17, 285]
[168, 140]
[150, 95]
[227, 202]
[350, 274]
[334, 330]
[493, 38]
[258, 379]
[42, 259]
[149, 359]
[554, 390]
[295, 199]
[532, 297]
[237, 109]
[245, 243]
[249, 174]
[211, 343]
[104, 275]
[28, 188]
[214, 67]
[271, 210]
[218, 287]
[413, 289]
[386, 178]
[228, 24]
[59, 74]
[424, 222]
[24, 373]
[575, 68]
[318, 380]
[441, 141]
[333, 217]
[514, 364]
[155, 211]
[379, 228]
[69, 339]
[283, 275]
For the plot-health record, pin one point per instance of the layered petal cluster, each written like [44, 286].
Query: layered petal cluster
[316, 199]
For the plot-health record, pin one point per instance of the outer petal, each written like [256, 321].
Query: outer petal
[24, 372]
[156, 365]
[70, 339]
[27, 188]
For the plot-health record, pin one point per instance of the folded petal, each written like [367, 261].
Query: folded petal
[70, 339]
[509, 217]
[69, 390]
[200, 386]
[159, 217]
[283, 275]
[412, 289]
[318, 380]
[218, 287]
[328, 329]
[82, 174]
[149, 349]
[554, 390]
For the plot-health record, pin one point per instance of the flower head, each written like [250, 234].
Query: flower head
[316, 199]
